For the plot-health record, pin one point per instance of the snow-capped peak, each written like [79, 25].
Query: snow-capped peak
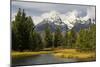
[52, 16]
[70, 18]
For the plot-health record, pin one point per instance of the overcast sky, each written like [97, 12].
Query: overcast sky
[36, 9]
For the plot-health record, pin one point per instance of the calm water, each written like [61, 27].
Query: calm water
[40, 59]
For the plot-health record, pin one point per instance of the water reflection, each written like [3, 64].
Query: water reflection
[40, 59]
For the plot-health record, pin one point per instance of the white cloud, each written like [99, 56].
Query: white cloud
[90, 13]
[52, 15]
[33, 5]
[71, 16]
[37, 19]
[68, 17]
[67, 13]
[13, 16]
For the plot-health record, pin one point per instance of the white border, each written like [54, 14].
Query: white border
[5, 33]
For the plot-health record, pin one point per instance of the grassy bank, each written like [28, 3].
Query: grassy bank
[16, 54]
[73, 53]
[61, 53]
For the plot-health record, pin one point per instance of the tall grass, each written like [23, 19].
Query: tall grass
[73, 53]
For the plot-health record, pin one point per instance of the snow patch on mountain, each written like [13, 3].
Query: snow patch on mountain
[69, 18]
[54, 16]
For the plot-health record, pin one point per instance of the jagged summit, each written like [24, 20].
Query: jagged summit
[66, 22]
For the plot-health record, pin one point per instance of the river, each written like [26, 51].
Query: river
[40, 59]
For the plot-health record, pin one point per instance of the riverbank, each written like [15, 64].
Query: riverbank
[73, 53]
[16, 54]
[61, 53]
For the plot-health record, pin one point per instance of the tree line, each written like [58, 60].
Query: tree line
[24, 36]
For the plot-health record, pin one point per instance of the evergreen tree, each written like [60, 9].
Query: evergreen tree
[36, 41]
[48, 37]
[14, 25]
[81, 40]
[92, 37]
[21, 28]
[14, 37]
[29, 30]
[72, 36]
[87, 39]
[58, 38]
[66, 40]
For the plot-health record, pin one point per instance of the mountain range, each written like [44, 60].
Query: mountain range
[54, 20]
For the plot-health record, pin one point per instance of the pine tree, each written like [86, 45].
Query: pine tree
[72, 36]
[21, 28]
[81, 41]
[86, 40]
[15, 36]
[58, 38]
[48, 37]
[29, 30]
[92, 37]
[36, 41]
[66, 40]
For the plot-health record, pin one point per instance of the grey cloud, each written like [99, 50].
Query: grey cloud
[36, 8]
